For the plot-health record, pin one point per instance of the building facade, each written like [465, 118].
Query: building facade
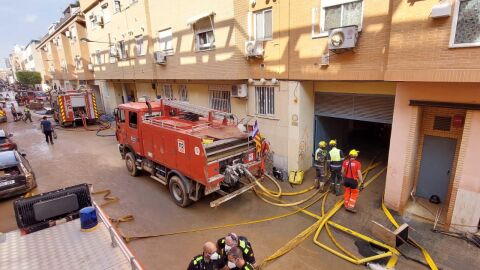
[64, 55]
[397, 77]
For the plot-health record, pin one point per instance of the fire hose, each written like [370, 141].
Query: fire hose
[322, 221]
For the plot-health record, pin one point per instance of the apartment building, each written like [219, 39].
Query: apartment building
[398, 77]
[65, 57]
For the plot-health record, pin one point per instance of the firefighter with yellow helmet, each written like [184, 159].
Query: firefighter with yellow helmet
[353, 180]
[335, 159]
[321, 164]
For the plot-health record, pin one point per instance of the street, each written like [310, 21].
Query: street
[80, 156]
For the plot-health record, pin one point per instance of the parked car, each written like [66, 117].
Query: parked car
[16, 174]
[3, 116]
[6, 142]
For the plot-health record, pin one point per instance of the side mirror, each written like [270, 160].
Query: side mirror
[10, 135]
[23, 154]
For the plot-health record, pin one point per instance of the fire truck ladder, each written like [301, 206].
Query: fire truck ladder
[196, 109]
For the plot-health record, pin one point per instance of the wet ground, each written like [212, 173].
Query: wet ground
[81, 157]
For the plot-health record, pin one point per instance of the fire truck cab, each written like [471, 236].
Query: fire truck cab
[193, 150]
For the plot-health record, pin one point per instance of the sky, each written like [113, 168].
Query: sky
[24, 20]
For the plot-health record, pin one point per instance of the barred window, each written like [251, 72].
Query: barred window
[182, 92]
[265, 100]
[167, 91]
[220, 100]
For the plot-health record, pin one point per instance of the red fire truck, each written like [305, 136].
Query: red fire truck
[193, 150]
[70, 106]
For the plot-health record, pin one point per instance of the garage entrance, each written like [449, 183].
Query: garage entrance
[357, 121]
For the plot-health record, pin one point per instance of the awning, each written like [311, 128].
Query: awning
[195, 19]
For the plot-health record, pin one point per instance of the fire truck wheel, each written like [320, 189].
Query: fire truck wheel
[178, 191]
[130, 163]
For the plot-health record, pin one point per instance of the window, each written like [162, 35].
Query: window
[167, 91]
[263, 25]
[73, 34]
[339, 13]
[204, 36]
[140, 46]
[98, 57]
[107, 16]
[122, 50]
[117, 6]
[442, 123]
[132, 119]
[78, 62]
[121, 116]
[63, 64]
[466, 24]
[265, 100]
[220, 100]
[182, 92]
[165, 41]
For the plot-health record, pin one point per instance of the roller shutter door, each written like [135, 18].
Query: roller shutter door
[372, 108]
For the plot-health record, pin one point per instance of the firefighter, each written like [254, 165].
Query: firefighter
[236, 260]
[232, 240]
[320, 163]
[353, 180]
[208, 260]
[335, 159]
[27, 114]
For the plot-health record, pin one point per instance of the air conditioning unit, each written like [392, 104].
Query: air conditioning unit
[343, 38]
[254, 48]
[240, 91]
[90, 67]
[160, 57]
[68, 34]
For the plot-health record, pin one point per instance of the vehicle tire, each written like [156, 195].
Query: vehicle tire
[178, 191]
[130, 164]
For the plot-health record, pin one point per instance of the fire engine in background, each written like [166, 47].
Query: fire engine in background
[72, 105]
[193, 150]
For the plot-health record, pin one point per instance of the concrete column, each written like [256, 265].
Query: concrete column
[124, 93]
[301, 103]
[467, 198]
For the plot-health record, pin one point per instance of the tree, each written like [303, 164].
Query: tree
[29, 77]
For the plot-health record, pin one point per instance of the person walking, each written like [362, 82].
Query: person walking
[27, 115]
[14, 112]
[353, 179]
[321, 164]
[335, 158]
[47, 129]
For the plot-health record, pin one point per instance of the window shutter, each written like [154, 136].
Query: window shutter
[315, 21]
[249, 25]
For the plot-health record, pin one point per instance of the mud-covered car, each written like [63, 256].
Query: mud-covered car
[6, 142]
[16, 175]
[3, 116]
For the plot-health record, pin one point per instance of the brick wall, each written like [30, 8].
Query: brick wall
[428, 116]
[419, 47]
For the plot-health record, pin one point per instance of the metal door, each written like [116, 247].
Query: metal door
[371, 108]
[435, 167]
